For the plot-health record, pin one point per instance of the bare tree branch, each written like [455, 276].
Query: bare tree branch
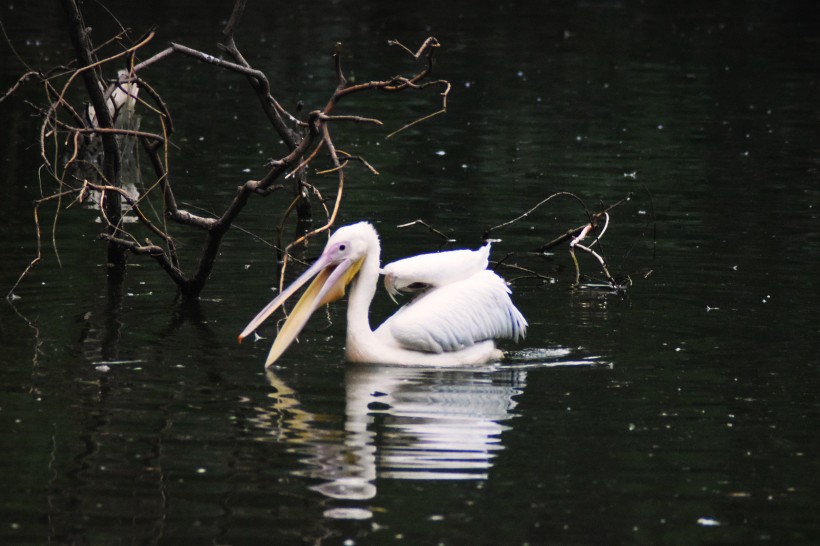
[305, 142]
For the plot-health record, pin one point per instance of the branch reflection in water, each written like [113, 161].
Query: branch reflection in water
[403, 423]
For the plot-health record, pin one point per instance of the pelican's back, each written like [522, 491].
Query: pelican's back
[456, 316]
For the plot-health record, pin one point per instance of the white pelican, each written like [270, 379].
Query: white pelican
[452, 323]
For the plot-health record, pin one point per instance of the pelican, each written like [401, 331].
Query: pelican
[454, 321]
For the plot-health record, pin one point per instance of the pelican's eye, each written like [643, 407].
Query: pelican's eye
[342, 248]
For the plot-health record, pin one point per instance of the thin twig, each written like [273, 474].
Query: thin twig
[533, 209]
[20, 81]
[348, 159]
[429, 227]
[412, 123]
[359, 119]
[39, 239]
[306, 161]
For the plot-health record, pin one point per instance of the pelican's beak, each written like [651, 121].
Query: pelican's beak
[329, 285]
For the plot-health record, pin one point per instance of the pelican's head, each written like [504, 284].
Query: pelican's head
[334, 270]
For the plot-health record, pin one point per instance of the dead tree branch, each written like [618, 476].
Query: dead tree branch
[71, 131]
[111, 158]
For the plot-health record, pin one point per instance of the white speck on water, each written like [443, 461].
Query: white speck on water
[348, 513]
[441, 153]
[436, 517]
[660, 126]
[246, 170]
[201, 470]
[201, 138]
[103, 368]
[708, 522]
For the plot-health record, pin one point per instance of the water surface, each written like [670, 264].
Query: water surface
[684, 412]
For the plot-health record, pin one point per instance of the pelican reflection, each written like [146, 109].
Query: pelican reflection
[399, 423]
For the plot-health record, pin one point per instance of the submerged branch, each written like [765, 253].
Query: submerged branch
[574, 232]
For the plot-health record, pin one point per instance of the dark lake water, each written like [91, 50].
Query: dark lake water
[684, 412]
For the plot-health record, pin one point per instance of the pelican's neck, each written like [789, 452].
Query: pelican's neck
[362, 291]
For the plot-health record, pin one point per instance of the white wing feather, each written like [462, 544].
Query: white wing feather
[456, 316]
[434, 270]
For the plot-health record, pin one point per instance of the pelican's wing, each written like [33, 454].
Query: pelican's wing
[456, 316]
[434, 270]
